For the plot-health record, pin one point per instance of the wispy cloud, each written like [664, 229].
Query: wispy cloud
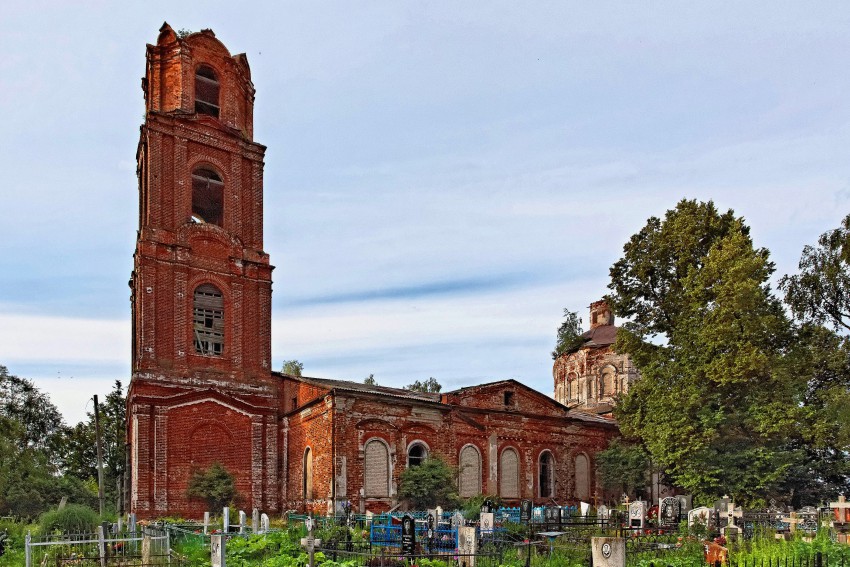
[418, 291]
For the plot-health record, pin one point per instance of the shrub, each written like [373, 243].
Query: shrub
[214, 485]
[73, 518]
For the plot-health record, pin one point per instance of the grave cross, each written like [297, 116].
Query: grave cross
[792, 520]
[841, 509]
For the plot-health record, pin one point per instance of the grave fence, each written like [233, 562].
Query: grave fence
[148, 547]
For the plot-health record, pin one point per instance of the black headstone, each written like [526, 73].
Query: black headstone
[408, 535]
[525, 511]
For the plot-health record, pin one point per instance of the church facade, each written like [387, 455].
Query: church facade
[202, 390]
[593, 376]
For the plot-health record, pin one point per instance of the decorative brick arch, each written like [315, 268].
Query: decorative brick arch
[209, 439]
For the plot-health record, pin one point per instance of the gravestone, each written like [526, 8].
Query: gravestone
[487, 522]
[731, 530]
[255, 520]
[702, 515]
[408, 535]
[685, 504]
[217, 550]
[467, 545]
[608, 551]
[722, 505]
[552, 515]
[225, 520]
[243, 519]
[487, 506]
[458, 520]
[439, 514]
[525, 508]
[206, 523]
[637, 514]
[63, 502]
[585, 508]
[432, 523]
[810, 516]
[603, 512]
[264, 523]
[669, 510]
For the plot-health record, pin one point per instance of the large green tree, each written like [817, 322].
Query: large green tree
[32, 451]
[819, 298]
[42, 427]
[713, 404]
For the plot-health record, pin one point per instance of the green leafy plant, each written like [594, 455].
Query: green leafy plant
[73, 518]
[215, 485]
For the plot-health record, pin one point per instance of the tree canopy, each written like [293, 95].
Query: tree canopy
[569, 336]
[430, 386]
[713, 404]
[292, 367]
[820, 293]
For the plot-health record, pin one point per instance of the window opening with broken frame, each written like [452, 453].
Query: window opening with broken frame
[416, 455]
[207, 196]
[206, 91]
[208, 321]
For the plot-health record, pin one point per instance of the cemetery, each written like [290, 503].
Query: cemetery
[666, 533]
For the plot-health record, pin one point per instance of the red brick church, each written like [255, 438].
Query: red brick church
[202, 388]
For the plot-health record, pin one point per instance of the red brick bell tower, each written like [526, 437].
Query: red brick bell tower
[201, 389]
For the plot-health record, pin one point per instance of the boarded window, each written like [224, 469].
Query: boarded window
[376, 470]
[308, 474]
[207, 196]
[609, 382]
[509, 474]
[208, 321]
[469, 480]
[416, 454]
[206, 91]
[546, 475]
[582, 478]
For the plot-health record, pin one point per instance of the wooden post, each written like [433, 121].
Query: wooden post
[99, 444]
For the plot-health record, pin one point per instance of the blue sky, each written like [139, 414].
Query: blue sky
[441, 179]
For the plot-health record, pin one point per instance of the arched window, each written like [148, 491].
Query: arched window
[469, 479]
[416, 454]
[546, 475]
[608, 383]
[308, 474]
[206, 91]
[509, 474]
[207, 196]
[376, 470]
[208, 320]
[582, 478]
